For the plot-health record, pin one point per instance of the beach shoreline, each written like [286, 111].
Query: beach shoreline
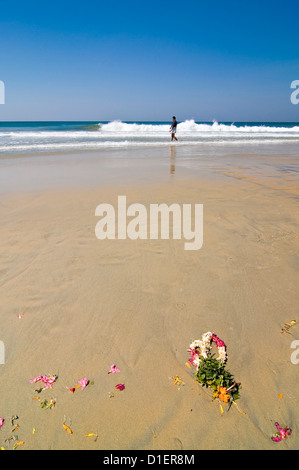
[265, 164]
[85, 304]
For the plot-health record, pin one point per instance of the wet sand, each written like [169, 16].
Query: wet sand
[89, 303]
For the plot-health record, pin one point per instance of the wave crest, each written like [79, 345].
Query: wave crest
[190, 127]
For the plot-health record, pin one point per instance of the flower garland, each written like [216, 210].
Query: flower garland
[211, 372]
[202, 348]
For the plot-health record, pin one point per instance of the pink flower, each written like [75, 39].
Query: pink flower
[83, 382]
[1, 422]
[47, 381]
[36, 379]
[283, 433]
[218, 341]
[120, 387]
[194, 356]
[113, 369]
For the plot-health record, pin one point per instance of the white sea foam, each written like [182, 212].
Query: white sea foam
[190, 127]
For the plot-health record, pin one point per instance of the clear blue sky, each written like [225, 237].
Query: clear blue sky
[105, 60]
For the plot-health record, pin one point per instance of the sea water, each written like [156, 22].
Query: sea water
[39, 137]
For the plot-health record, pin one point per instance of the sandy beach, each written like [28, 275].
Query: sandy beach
[72, 305]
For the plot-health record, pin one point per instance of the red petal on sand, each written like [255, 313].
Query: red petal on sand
[120, 387]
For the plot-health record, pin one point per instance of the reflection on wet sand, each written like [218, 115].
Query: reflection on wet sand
[172, 159]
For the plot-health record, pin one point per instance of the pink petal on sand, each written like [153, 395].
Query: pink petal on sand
[1, 422]
[283, 433]
[120, 387]
[35, 379]
[83, 382]
[113, 369]
[47, 381]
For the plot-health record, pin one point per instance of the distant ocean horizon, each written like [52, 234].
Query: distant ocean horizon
[22, 137]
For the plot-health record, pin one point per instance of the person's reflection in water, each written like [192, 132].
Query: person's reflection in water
[172, 159]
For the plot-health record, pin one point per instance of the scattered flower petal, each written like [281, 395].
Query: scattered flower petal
[92, 434]
[241, 412]
[46, 380]
[113, 369]
[83, 383]
[287, 326]
[67, 428]
[282, 433]
[48, 404]
[120, 387]
[18, 444]
[177, 381]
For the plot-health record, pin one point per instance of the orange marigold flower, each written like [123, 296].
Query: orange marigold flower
[222, 395]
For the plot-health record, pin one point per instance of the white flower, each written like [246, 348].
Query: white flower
[206, 337]
[222, 354]
[195, 344]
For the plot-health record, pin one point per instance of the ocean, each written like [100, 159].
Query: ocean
[68, 136]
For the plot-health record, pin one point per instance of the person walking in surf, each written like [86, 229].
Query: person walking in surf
[173, 128]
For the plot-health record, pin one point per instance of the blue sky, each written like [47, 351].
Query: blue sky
[96, 60]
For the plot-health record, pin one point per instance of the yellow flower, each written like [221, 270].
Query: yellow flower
[177, 380]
